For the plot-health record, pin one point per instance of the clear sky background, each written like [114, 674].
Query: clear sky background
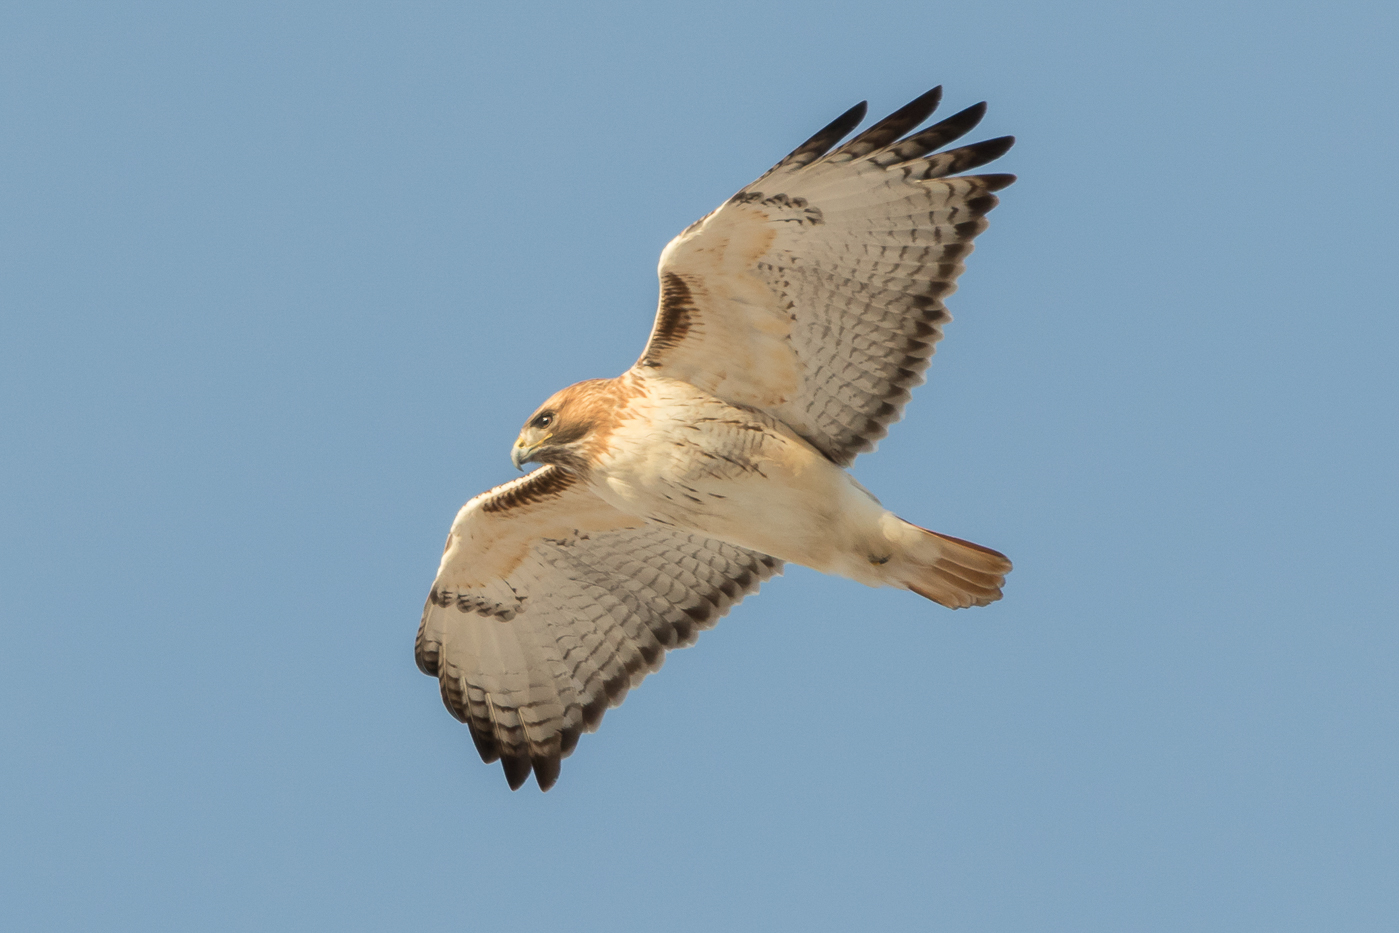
[279, 283]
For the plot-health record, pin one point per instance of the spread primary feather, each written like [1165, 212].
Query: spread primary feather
[793, 321]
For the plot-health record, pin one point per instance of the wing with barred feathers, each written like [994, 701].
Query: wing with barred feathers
[815, 293]
[550, 605]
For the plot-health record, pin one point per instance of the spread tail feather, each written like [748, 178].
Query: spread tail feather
[948, 570]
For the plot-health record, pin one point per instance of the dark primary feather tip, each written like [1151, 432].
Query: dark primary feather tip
[485, 744]
[978, 154]
[888, 130]
[826, 137]
[925, 101]
[934, 137]
[955, 126]
[914, 112]
[850, 119]
[516, 770]
[836, 130]
[568, 741]
[966, 158]
[997, 182]
[546, 771]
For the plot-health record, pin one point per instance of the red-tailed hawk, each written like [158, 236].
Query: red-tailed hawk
[793, 321]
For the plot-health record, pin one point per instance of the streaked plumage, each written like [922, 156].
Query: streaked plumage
[793, 322]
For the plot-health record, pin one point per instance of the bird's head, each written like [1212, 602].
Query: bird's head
[563, 429]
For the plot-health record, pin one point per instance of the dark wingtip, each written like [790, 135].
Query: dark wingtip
[999, 146]
[568, 741]
[963, 121]
[935, 136]
[546, 771]
[517, 770]
[887, 131]
[917, 110]
[826, 137]
[955, 161]
[930, 99]
[485, 744]
[850, 119]
[997, 182]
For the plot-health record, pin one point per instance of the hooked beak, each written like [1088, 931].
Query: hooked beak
[520, 454]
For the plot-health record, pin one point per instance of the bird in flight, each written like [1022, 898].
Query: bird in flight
[793, 322]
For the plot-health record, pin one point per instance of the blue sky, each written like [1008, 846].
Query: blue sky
[281, 281]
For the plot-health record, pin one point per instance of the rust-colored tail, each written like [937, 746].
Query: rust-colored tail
[953, 572]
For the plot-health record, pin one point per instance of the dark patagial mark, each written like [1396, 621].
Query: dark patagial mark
[674, 319]
[537, 487]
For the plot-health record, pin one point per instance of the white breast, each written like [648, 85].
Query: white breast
[685, 458]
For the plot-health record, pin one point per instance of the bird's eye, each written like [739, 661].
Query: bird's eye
[544, 420]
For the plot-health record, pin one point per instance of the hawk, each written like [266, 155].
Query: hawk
[793, 322]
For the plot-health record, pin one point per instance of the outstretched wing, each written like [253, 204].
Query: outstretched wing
[815, 293]
[550, 605]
